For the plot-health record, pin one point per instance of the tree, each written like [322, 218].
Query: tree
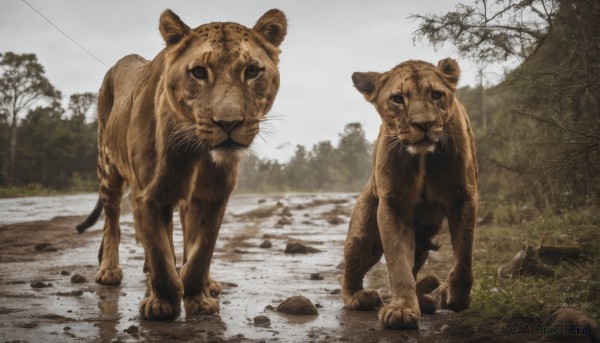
[22, 85]
[81, 103]
[491, 31]
[555, 88]
[297, 172]
[325, 167]
[83, 160]
[354, 153]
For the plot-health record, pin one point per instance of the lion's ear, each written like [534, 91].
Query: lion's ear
[366, 83]
[450, 70]
[273, 26]
[172, 28]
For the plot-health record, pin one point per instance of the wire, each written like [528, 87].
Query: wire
[66, 35]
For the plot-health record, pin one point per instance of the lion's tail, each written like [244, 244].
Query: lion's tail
[92, 218]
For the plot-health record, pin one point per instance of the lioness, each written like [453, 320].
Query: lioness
[424, 171]
[173, 129]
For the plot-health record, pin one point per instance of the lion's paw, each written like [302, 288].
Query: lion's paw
[109, 277]
[200, 304]
[398, 317]
[154, 308]
[456, 299]
[363, 300]
[214, 288]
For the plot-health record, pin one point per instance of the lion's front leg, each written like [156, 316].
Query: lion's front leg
[203, 220]
[163, 295]
[214, 286]
[461, 222]
[398, 239]
[362, 250]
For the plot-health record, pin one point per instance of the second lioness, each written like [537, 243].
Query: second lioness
[172, 129]
[424, 171]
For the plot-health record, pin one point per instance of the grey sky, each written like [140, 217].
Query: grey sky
[326, 42]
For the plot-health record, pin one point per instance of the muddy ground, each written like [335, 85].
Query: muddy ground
[255, 280]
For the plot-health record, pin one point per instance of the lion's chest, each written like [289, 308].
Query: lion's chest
[416, 179]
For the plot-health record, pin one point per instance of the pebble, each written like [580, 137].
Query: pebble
[299, 248]
[78, 278]
[40, 284]
[284, 221]
[266, 244]
[316, 276]
[262, 320]
[297, 305]
[132, 330]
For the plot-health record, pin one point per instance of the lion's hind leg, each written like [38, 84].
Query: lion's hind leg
[362, 250]
[111, 188]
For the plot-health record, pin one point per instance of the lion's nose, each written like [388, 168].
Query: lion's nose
[423, 125]
[229, 125]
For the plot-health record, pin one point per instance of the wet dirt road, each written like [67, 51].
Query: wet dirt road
[255, 279]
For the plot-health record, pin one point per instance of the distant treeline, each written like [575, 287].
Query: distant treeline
[344, 167]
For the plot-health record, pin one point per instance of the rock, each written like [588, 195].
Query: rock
[445, 328]
[132, 330]
[76, 293]
[45, 247]
[297, 305]
[316, 276]
[269, 308]
[299, 248]
[42, 246]
[262, 321]
[335, 220]
[262, 201]
[336, 291]
[266, 244]
[259, 213]
[572, 319]
[525, 263]
[65, 273]
[78, 278]
[284, 221]
[40, 284]
[554, 255]
[286, 212]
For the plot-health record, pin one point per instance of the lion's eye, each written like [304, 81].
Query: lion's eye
[436, 95]
[252, 71]
[398, 99]
[200, 73]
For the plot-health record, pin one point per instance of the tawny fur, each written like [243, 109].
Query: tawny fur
[172, 129]
[424, 171]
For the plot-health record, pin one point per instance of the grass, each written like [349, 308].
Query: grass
[574, 284]
[34, 189]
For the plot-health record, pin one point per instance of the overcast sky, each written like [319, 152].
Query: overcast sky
[326, 42]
